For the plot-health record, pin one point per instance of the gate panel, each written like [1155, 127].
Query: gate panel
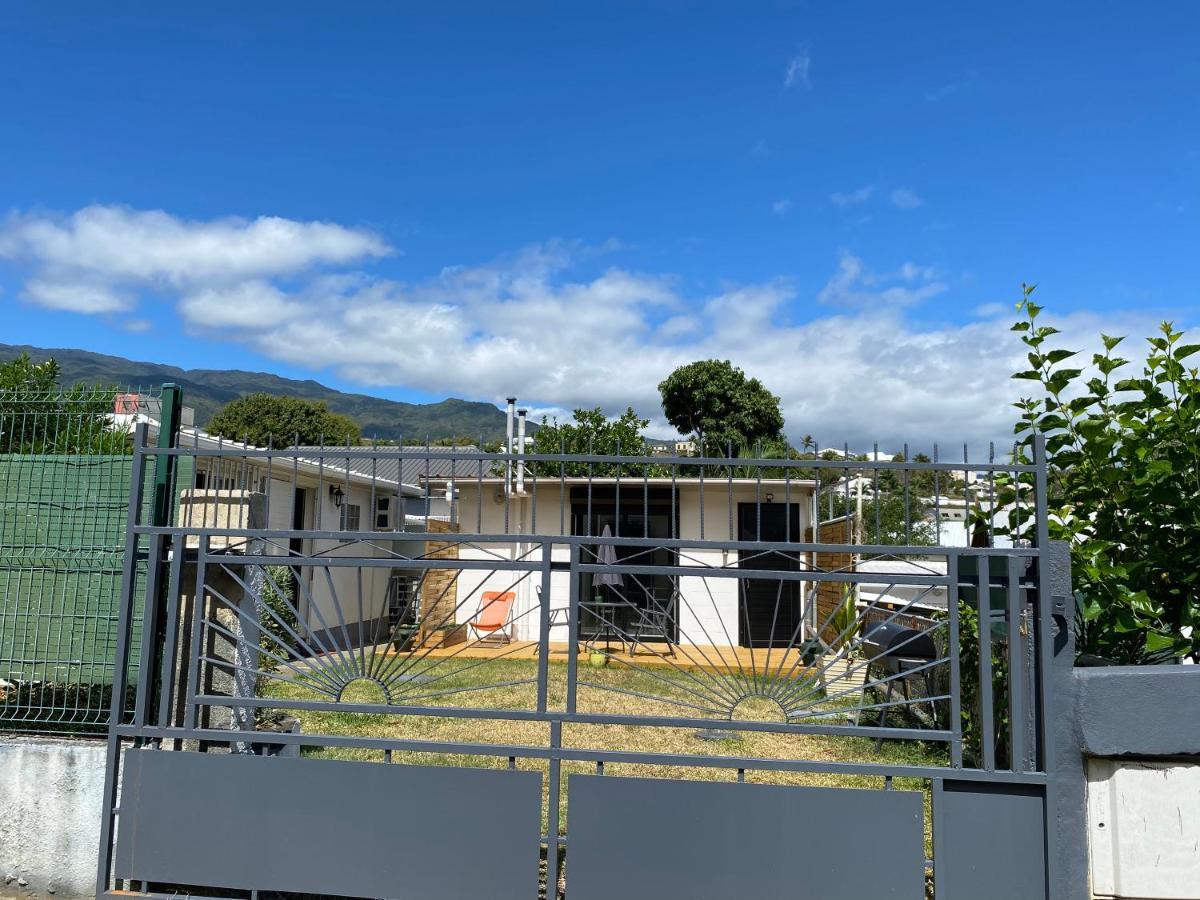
[645, 839]
[989, 840]
[324, 826]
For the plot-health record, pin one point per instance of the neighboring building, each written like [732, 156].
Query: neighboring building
[319, 492]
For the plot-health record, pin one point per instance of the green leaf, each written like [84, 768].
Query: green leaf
[1156, 642]
[1186, 350]
[1056, 356]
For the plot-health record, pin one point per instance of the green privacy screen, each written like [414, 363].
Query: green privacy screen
[62, 545]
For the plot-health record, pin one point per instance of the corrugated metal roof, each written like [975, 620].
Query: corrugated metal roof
[415, 465]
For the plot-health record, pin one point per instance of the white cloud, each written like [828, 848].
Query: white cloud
[905, 198]
[528, 324]
[851, 198]
[100, 258]
[854, 285]
[76, 296]
[781, 207]
[796, 74]
[252, 304]
[951, 89]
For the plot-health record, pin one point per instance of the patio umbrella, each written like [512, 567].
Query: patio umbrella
[607, 556]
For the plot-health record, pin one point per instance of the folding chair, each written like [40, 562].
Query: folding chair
[489, 622]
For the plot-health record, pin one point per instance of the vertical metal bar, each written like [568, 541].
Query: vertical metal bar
[170, 657]
[937, 499]
[987, 726]
[544, 628]
[168, 431]
[152, 604]
[1016, 687]
[1045, 629]
[573, 629]
[198, 613]
[955, 653]
[555, 776]
[121, 657]
[617, 492]
[562, 485]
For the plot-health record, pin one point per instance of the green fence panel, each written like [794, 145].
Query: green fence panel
[65, 468]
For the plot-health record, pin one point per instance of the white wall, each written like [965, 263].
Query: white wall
[50, 798]
[348, 593]
[1144, 829]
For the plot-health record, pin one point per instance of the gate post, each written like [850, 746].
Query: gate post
[1066, 781]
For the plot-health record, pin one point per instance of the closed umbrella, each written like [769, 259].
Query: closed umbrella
[607, 557]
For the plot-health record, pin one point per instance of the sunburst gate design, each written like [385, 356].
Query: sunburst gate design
[685, 658]
[343, 643]
[813, 667]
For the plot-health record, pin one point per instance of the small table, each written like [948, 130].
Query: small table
[606, 611]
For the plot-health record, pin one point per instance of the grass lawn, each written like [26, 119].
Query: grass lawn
[466, 683]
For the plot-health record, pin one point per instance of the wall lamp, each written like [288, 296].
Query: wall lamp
[336, 493]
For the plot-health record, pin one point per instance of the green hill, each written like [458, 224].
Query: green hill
[207, 390]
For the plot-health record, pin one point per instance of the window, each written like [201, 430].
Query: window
[351, 517]
[383, 513]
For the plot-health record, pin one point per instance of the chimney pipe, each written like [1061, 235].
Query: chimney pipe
[521, 413]
[508, 444]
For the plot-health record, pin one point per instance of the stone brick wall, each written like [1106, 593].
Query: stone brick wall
[831, 594]
[438, 594]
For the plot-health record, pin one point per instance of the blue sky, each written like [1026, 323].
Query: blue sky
[565, 200]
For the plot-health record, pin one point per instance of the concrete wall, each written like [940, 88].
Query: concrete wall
[50, 793]
[1139, 731]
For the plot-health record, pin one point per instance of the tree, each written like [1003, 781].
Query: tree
[715, 401]
[591, 432]
[282, 421]
[1124, 487]
[39, 416]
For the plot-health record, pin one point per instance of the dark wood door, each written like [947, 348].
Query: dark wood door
[769, 610]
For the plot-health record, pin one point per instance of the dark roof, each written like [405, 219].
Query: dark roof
[414, 465]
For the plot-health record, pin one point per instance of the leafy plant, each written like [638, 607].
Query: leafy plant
[277, 595]
[39, 416]
[1123, 453]
[593, 433]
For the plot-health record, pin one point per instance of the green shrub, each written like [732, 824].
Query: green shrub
[1123, 452]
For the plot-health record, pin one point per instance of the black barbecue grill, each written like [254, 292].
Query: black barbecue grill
[900, 653]
[895, 647]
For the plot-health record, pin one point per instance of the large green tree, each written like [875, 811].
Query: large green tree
[715, 401]
[282, 421]
[1123, 451]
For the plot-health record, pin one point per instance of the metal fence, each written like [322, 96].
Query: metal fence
[65, 464]
[655, 675]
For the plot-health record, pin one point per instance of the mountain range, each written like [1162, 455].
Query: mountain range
[207, 390]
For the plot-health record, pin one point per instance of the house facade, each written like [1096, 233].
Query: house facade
[695, 610]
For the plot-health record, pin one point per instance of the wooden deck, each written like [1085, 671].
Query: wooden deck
[694, 657]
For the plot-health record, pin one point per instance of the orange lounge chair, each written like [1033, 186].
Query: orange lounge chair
[489, 622]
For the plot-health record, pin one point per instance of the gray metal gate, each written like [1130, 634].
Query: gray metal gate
[388, 672]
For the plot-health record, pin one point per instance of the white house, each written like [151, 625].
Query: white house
[699, 610]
